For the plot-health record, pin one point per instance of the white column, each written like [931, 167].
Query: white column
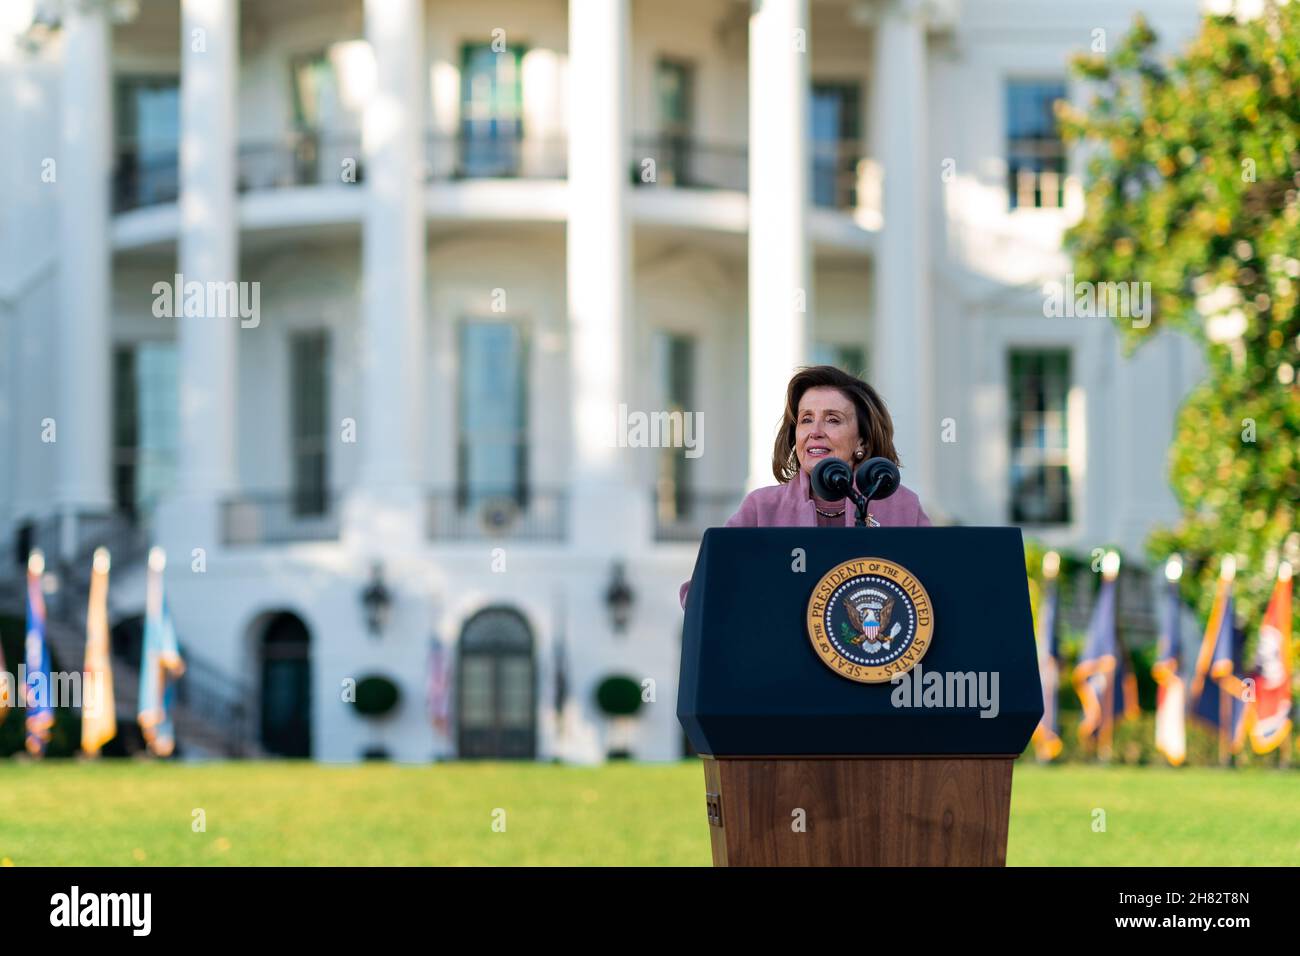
[393, 253]
[83, 171]
[598, 270]
[207, 367]
[780, 275]
[901, 346]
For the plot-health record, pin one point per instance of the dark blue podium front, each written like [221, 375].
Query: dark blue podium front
[752, 684]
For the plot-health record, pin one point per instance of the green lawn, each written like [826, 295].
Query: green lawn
[118, 813]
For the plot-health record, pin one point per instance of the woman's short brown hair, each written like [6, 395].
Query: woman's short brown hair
[874, 424]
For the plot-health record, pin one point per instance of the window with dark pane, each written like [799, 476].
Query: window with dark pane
[846, 358]
[146, 167]
[492, 452]
[491, 110]
[836, 133]
[309, 401]
[146, 424]
[316, 94]
[158, 389]
[1035, 151]
[316, 105]
[1039, 437]
[125, 429]
[675, 92]
[675, 369]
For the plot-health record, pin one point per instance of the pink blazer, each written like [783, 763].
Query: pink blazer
[788, 506]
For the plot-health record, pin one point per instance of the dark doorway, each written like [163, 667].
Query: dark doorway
[126, 640]
[496, 683]
[285, 656]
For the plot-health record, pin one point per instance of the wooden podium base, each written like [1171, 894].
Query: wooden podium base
[858, 811]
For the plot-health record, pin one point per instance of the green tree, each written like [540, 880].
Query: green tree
[1193, 173]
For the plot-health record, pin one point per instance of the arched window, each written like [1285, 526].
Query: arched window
[496, 684]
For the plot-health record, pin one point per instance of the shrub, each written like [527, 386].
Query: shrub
[618, 696]
[376, 696]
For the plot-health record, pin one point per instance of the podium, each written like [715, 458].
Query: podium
[859, 696]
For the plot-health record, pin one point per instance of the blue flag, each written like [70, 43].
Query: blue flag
[37, 692]
[1103, 672]
[1217, 691]
[160, 667]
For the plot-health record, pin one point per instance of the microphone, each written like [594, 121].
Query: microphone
[877, 478]
[831, 479]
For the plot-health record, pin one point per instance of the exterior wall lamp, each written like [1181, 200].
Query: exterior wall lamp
[619, 598]
[376, 601]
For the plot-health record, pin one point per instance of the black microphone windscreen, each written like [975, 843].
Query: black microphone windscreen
[831, 479]
[877, 477]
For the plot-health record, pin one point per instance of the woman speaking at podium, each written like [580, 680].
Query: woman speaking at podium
[828, 414]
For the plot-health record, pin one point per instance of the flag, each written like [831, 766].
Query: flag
[1105, 684]
[561, 676]
[7, 689]
[439, 687]
[36, 688]
[1217, 692]
[1171, 697]
[161, 664]
[1269, 716]
[98, 710]
[1046, 738]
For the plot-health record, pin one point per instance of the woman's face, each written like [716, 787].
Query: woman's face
[826, 427]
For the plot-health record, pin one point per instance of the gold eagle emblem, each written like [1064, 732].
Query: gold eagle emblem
[879, 620]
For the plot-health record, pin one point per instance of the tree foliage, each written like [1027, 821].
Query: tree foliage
[1193, 173]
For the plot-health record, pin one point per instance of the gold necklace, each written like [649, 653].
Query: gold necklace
[828, 514]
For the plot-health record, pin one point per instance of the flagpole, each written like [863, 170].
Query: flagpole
[1226, 728]
[1225, 719]
[1047, 743]
[1110, 572]
[1284, 576]
[1104, 751]
[559, 663]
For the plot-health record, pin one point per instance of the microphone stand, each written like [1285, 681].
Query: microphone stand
[861, 501]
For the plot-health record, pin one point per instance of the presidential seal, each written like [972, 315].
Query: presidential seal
[870, 619]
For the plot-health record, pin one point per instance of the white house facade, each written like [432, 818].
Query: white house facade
[462, 252]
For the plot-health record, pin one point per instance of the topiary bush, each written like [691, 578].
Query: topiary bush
[618, 696]
[376, 696]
